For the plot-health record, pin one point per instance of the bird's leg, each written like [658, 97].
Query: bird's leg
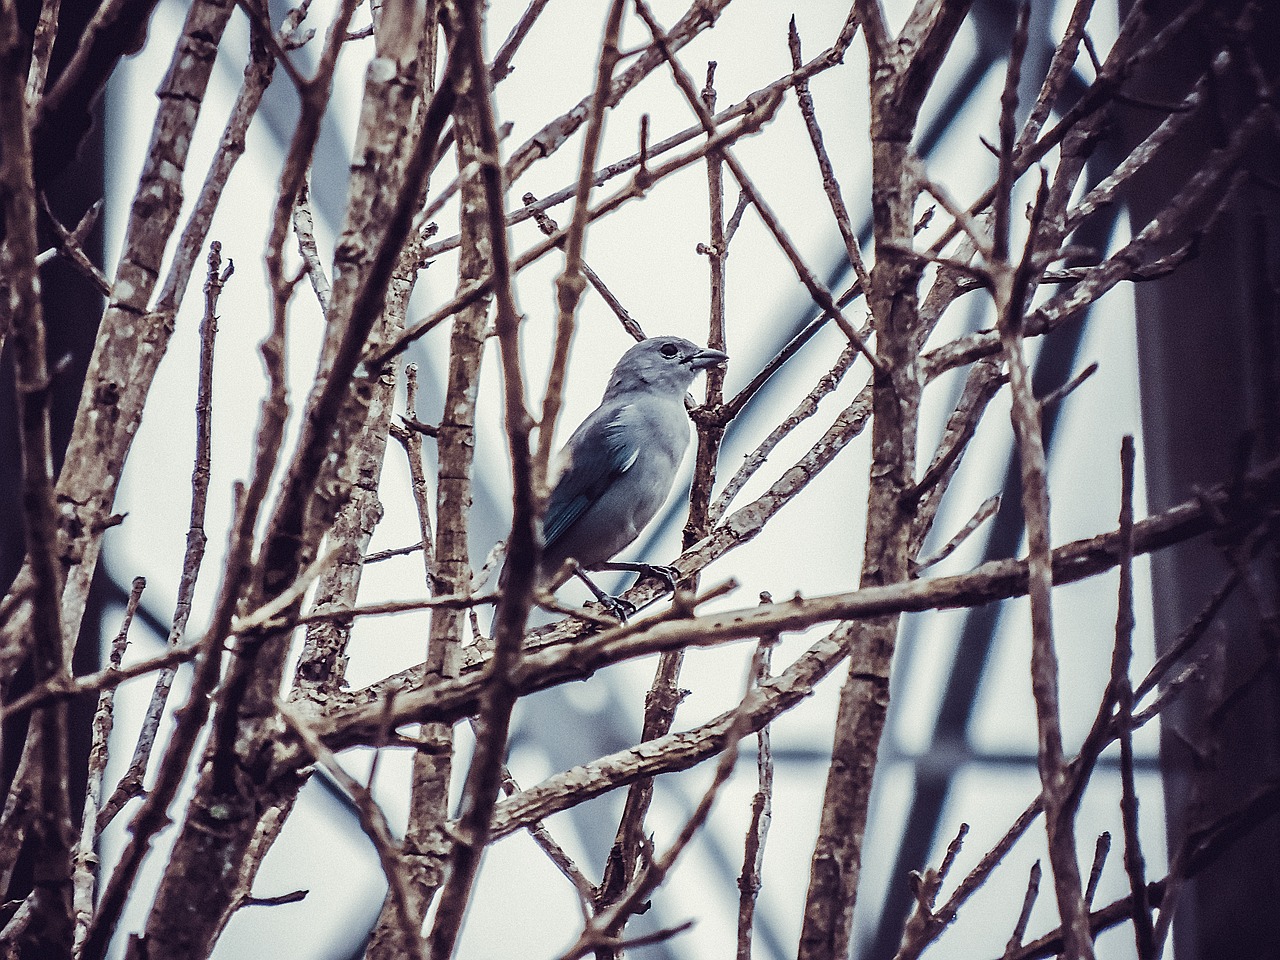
[620, 608]
[668, 575]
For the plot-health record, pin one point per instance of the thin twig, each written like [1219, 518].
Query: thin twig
[761, 816]
[816, 289]
[130, 784]
[71, 244]
[105, 679]
[656, 870]
[372, 821]
[86, 858]
[549, 227]
[807, 407]
[980, 516]
[1100, 851]
[411, 441]
[1061, 393]
[1044, 663]
[41, 51]
[304, 228]
[570, 283]
[829, 183]
[379, 555]
[1133, 861]
[1028, 901]
[1008, 109]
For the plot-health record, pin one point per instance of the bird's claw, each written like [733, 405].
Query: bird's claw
[668, 575]
[619, 608]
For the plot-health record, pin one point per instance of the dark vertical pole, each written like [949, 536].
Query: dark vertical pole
[72, 310]
[1204, 388]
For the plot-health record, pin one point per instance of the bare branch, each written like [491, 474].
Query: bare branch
[372, 821]
[130, 784]
[104, 716]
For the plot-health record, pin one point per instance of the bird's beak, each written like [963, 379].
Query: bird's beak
[705, 359]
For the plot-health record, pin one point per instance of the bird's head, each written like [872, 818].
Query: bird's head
[664, 363]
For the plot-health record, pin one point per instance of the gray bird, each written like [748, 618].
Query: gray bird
[618, 467]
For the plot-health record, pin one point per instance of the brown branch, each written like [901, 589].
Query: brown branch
[820, 294]
[1028, 901]
[1101, 849]
[304, 229]
[372, 821]
[1055, 80]
[829, 183]
[807, 407]
[70, 244]
[1008, 109]
[411, 440]
[611, 917]
[41, 49]
[130, 783]
[711, 430]
[1106, 190]
[900, 75]
[1009, 292]
[231, 146]
[524, 543]
[86, 859]
[733, 407]
[747, 106]
[379, 555]
[501, 67]
[1059, 394]
[984, 381]
[39, 803]
[925, 887]
[638, 187]
[924, 926]
[66, 687]
[1134, 865]
[991, 581]
[131, 339]
[761, 817]
[570, 283]
[980, 516]
[555, 853]
[549, 227]
[446, 561]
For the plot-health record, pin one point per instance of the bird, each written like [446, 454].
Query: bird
[618, 466]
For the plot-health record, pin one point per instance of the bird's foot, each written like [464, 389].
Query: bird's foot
[668, 575]
[619, 608]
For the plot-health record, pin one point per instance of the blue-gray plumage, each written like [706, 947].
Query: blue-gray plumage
[617, 469]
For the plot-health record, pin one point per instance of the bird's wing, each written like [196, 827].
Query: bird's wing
[599, 452]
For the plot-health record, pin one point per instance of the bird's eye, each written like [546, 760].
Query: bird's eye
[669, 350]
